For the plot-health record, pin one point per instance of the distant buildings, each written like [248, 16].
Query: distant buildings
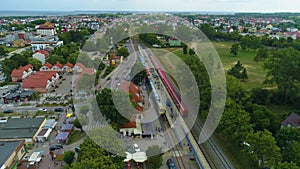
[46, 29]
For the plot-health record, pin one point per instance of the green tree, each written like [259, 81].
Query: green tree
[154, 154]
[2, 51]
[77, 124]
[89, 46]
[291, 152]
[92, 156]
[286, 135]
[69, 157]
[185, 49]
[123, 52]
[263, 148]
[238, 71]
[35, 63]
[262, 54]
[235, 122]
[234, 49]
[287, 165]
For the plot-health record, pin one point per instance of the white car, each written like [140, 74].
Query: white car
[136, 148]
[43, 109]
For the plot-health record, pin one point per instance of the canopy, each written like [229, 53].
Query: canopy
[62, 136]
[138, 157]
[35, 157]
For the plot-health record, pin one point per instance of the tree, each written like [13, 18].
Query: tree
[77, 124]
[283, 67]
[263, 149]
[235, 122]
[291, 152]
[123, 52]
[37, 64]
[69, 157]
[191, 52]
[89, 46]
[2, 51]
[262, 54]
[238, 71]
[287, 165]
[92, 156]
[184, 49]
[286, 135]
[154, 154]
[234, 49]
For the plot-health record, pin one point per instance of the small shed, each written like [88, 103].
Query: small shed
[67, 127]
[62, 137]
[69, 120]
[43, 134]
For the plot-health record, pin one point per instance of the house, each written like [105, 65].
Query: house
[21, 73]
[67, 128]
[21, 129]
[113, 58]
[57, 67]
[41, 55]
[46, 29]
[39, 45]
[40, 81]
[134, 91]
[46, 67]
[18, 43]
[132, 128]
[78, 68]
[68, 67]
[62, 137]
[11, 153]
[293, 120]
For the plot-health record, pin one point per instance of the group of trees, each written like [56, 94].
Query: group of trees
[238, 71]
[91, 155]
[17, 60]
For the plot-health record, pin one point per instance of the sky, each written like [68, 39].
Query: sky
[154, 5]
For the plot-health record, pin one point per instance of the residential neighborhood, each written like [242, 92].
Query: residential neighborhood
[143, 89]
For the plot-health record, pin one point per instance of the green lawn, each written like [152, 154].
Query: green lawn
[256, 73]
[76, 135]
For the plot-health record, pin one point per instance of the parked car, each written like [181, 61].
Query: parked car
[77, 149]
[136, 148]
[43, 109]
[171, 163]
[25, 158]
[55, 147]
[108, 78]
[8, 111]
[60, 109]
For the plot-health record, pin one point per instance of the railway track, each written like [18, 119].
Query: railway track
[176, 149]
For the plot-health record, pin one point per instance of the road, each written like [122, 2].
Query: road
[13, 52]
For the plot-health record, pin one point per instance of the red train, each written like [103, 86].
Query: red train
[173, 93]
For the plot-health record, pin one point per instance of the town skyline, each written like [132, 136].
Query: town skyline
[265, 6]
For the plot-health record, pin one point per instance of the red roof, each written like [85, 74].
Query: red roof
[69, 65]
[26, 67]
[49, 65]
[80, 65]
[44, 52]
[130, 124]
[30, 83]
[17, 73]
[88, 70]
[58, 65]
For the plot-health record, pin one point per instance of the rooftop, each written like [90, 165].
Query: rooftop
[6, 149]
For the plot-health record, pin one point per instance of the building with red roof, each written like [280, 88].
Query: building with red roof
[57, 67]
[40, 81]
[21, 73]
[41, 55]
[78, 68]
[68, 67]
[134, 91]
[46, 67]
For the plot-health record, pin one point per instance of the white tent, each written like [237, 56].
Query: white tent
[35, 157]
[138, 157]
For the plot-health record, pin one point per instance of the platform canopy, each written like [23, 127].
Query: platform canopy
[138, 157]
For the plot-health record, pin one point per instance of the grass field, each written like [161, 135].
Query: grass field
[256, 73]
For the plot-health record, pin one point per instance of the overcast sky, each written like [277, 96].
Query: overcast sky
[155, 5]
